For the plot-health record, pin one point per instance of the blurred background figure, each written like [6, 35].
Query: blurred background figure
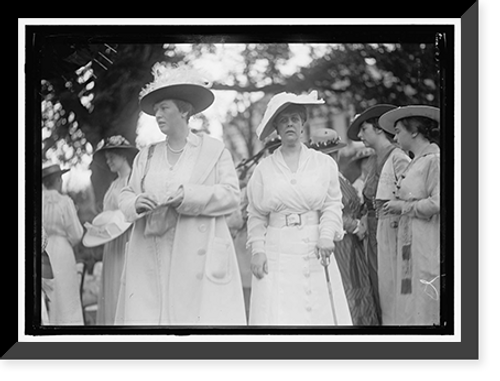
[117, 154]
[349, 252]
[64, 231]
[415, 295]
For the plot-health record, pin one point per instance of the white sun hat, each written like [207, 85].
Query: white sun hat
[278, 103]
[105, 227]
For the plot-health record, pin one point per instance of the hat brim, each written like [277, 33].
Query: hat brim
[371, 112]
[389, 120]
[268, 123]
[90, 240]
[198, 96]
[329, 150]
[100, 159]
[60, 172]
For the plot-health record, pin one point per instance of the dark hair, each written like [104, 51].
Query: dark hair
[128, 154]
[427, 127]
[50, 181]
[300, 109]
[184, 106]
[374, 121]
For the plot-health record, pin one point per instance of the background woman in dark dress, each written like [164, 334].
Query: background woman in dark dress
[349, 252]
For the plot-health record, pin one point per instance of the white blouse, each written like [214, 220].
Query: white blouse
[110, 201]
[315, 186]
[59, 216]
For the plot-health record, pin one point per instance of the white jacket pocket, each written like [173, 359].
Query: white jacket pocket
[218, 265]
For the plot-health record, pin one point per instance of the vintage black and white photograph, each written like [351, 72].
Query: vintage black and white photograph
[265, 179]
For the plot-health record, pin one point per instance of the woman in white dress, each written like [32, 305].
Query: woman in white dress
[294, 217]
[64, 231]
[117, 153]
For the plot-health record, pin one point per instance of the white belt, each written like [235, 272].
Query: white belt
[293, 219]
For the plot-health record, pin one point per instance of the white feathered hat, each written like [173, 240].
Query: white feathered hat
[182, 82]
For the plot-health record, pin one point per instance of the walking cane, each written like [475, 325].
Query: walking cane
[325, 262]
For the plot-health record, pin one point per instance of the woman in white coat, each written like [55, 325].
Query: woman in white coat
[294, 217]
[180, 267]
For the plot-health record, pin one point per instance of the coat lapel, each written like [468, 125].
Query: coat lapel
[211, 149]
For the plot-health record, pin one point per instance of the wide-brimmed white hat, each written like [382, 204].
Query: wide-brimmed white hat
[278, 103]
[105, 227]
[182, 83]
[389, 119]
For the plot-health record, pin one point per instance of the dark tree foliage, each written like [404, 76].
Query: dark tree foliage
[90, 91]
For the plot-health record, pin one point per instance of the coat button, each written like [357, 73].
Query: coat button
[308, 309]
[199, 276]
[202, 252]
[293, 181]
[202, 228]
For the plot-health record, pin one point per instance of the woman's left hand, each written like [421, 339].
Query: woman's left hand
[324, 249]
[393, 207]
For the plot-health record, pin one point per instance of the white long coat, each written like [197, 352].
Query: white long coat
[188, 275]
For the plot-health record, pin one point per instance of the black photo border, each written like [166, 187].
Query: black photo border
[467, 348]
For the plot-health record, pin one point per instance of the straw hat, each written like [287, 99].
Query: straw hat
[371, 112]
[105, 227]
[182, 83]
[116, 142]
[278, 103]
[326, 140]
[52, 169]
[388, 120]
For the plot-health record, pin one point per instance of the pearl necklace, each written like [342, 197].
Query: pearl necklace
[176, 151]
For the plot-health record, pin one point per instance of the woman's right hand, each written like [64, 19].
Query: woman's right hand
[145, 203]
[258, 265]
